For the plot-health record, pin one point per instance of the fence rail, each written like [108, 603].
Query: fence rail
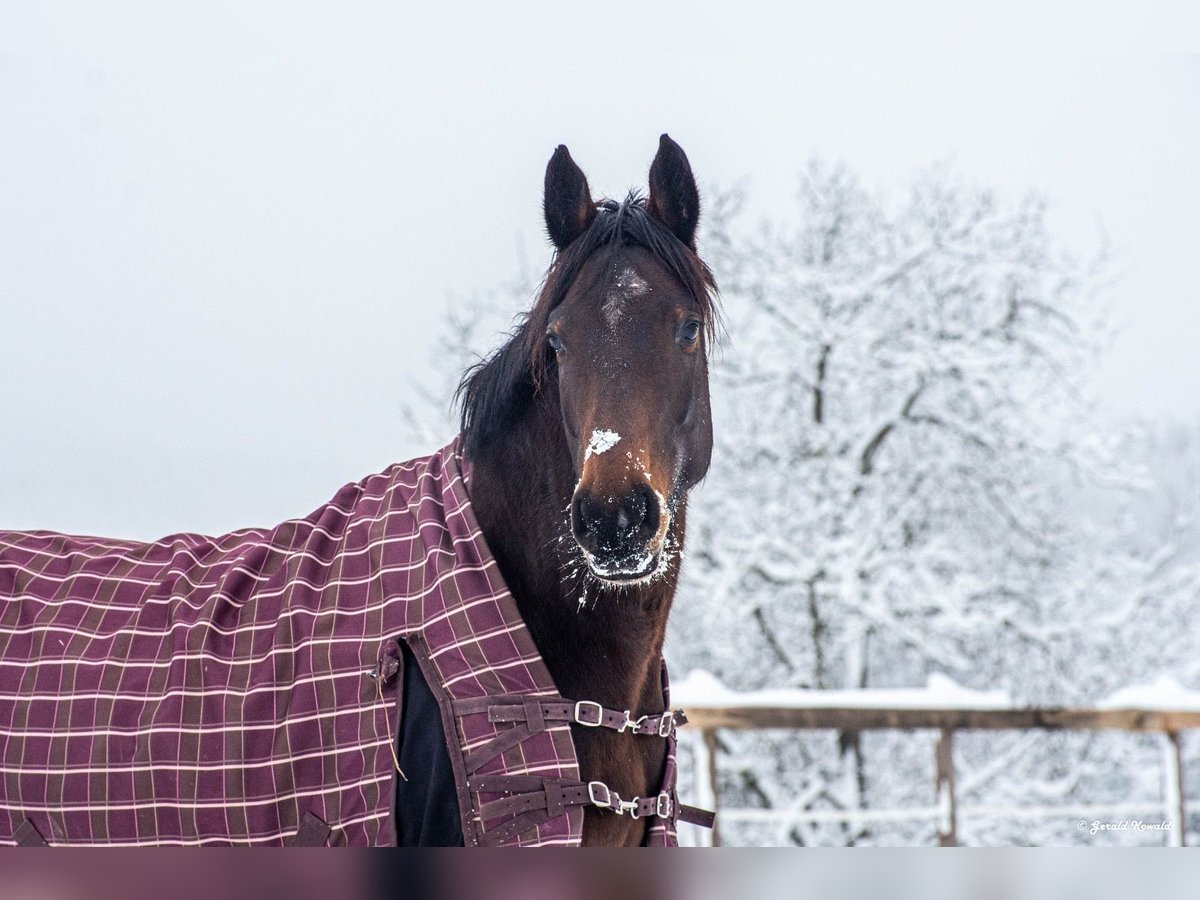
[706, 721]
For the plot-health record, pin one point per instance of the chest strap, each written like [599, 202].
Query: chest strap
[536, 711]
[534, 800]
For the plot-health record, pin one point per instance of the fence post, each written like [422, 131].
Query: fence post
[710, 747]
[1173, 782]
[946, 801]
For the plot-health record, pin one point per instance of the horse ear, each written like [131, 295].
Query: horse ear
[567, 202]
[674, 200]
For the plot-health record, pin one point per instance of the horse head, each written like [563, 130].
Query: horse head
[619, 344]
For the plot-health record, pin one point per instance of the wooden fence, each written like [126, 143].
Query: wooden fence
[707, 720]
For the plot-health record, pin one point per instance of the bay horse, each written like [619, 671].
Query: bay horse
[210, 690]
[587, 430]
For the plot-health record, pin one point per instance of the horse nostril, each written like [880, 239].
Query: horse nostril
[587, 518]
[588, 512]
[648, 523]
[611, 524]
[632, 514]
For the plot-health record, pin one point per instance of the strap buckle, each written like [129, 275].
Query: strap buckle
[630, 723]
[581, 705]
[629, 806]
[666, 724]
[594, 789]
[662, 805]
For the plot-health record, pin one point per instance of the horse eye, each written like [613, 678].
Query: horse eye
[690, 332]
[555, 342]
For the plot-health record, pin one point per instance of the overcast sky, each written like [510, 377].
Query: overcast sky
[218, 276]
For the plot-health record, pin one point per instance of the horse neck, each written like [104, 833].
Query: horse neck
[606, 648]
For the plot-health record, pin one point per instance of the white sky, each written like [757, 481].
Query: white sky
[217, 273]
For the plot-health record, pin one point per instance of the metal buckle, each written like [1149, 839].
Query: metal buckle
[666, 724]
[630, 723]
[589, 704]
[631, 807]
[593, 788]
[662, 806]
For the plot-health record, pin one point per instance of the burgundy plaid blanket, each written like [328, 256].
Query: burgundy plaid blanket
[225, 690]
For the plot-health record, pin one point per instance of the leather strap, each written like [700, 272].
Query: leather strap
[583, 712]
[694, 815]
[530, 799]
[506, 740]
[566, 793]
[506, 830]
[27, 835]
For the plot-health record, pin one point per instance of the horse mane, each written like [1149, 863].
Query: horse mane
[495, 392]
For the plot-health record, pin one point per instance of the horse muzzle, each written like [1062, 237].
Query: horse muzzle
[621, 535]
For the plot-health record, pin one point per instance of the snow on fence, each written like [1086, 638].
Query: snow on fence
[942, 706]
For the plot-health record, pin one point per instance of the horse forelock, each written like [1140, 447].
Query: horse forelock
[620, 224]
[494, 391]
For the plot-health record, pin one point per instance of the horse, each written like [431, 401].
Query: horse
[511, 592]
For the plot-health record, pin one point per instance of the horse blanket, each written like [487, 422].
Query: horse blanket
[243, 689]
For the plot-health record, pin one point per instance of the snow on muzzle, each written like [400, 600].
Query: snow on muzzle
[618, 518]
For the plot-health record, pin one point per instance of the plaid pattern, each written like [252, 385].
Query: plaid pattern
[203, 690]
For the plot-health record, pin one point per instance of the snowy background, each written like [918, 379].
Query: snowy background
[956, 411]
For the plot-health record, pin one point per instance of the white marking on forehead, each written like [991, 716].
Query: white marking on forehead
[601, 442]
[629, 286]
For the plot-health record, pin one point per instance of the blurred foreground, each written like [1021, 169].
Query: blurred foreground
[555, 875]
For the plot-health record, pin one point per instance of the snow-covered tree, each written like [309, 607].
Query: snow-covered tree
[904, 420]
[906, 458]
